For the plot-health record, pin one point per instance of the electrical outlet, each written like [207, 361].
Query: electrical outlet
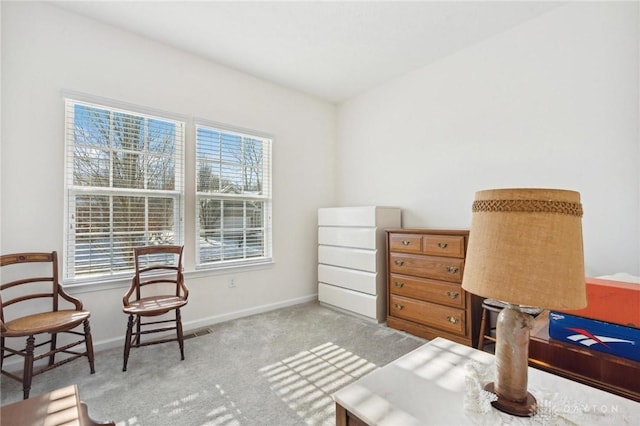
[232, 282]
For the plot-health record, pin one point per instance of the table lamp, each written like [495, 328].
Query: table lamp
[525, 249]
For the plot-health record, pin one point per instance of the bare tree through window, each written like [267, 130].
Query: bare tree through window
[123, 191]
[233, 203]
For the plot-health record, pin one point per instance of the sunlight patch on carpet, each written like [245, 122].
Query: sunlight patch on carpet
[132, 421]
[306, 380]
[227, 414]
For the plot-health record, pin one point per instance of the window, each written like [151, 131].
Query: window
[124, 187]
[233, 197]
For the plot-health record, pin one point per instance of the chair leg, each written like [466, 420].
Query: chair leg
[138, 330]
[27, 374]
[52, 357]
[1, 352]
[179, 331]
[88, 340]
[127, 342]
[483, 328]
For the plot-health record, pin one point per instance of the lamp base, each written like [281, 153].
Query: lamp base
[526, 408]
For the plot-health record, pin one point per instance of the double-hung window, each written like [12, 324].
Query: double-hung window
[124, 187]
[233, 197]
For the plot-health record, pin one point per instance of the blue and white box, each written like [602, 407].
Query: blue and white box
[597, 335]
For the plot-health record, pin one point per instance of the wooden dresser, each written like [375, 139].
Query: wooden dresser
[425, 297]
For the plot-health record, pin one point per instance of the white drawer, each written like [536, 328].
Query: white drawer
[347, 237]
[364, 282]
[386, 217]
[360, 303]
[364, 260]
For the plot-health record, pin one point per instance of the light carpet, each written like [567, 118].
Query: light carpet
[277, 368]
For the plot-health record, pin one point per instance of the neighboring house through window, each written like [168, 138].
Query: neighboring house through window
[233, 197]
[124, 187]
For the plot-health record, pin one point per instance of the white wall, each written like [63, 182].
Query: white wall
[553, 102]
[46, 50]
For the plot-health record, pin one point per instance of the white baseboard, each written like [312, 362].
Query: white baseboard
[216, 319]
[190, 326]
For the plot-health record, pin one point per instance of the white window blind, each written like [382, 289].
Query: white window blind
[124, 187]
[233, 197]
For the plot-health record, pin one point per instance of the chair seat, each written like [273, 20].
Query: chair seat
[497, 305]
[154, 305]
[45, 322]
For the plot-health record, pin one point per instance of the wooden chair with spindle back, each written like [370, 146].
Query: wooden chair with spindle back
[156, 267]
[23, 314]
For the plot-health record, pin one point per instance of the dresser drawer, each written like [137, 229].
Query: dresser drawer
[362, 281]
[364, 238]
[441, 268]
[443, 245]
[439, 316]
[364, 260]
[428, 290]
[406, 243]
[370, 216]
[354, 301]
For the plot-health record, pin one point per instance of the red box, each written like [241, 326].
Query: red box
[611, 301]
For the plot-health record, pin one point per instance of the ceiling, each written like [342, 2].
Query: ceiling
[330, 49]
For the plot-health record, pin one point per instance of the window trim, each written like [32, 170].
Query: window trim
[179, 194]
[268, 198]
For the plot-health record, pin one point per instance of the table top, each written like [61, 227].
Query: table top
[58, 407]
[440, 383]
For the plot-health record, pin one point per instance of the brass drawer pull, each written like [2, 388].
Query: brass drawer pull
[453, 294]
[399, 262]
[398, 306]
[452, 269]
[406, 242]
[399, 284]
[452, 320]
[443, 245]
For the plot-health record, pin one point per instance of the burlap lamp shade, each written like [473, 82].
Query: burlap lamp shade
[525, 247]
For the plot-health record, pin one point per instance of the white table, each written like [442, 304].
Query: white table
[435, 384]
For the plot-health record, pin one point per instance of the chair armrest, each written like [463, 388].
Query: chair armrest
[127, 295]
[76, 302]
[183, 287]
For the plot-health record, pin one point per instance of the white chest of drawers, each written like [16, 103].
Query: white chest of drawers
[352, 258]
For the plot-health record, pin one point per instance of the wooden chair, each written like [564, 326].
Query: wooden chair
[156, 268]
[23, 314]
